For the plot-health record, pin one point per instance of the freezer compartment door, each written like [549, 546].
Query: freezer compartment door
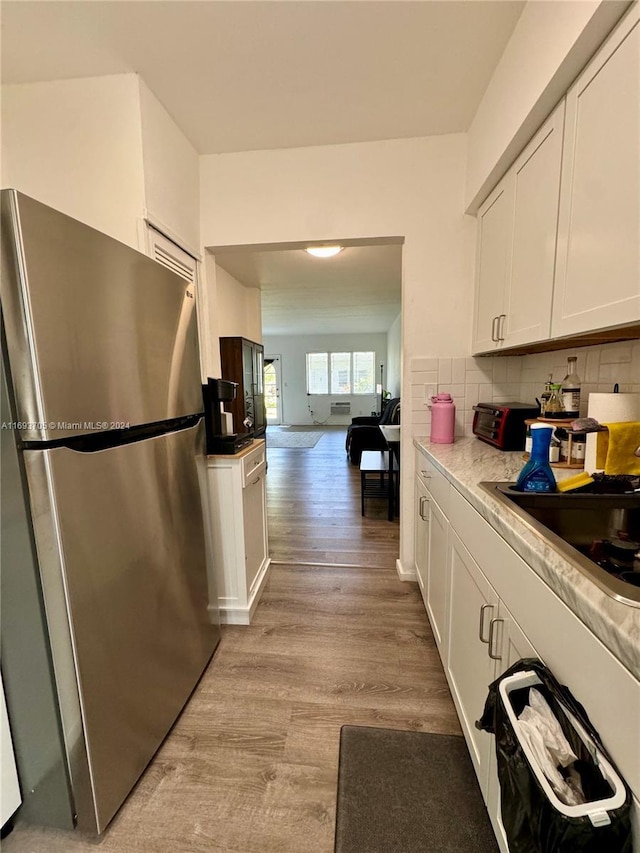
[98, 334]
[131, 557]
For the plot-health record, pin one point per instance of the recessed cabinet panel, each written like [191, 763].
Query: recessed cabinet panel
[494, 234]
[536, 188]
[438, 575]
[473, 603]
[597, 282]
[517, 229]
[421, 536]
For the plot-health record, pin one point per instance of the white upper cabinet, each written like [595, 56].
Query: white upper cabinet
[597, 278]
[517, 228]
[535, 179]
[494, 218]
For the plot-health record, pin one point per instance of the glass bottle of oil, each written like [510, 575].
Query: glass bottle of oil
[554, 407]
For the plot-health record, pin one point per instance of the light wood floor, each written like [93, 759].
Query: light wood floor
[313, 499]
[251, 764]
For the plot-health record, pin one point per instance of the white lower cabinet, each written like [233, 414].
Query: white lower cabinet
[421, 536]
[431, 536]
[237, 498]
[473, 604]
[437, 579]
[497, 611]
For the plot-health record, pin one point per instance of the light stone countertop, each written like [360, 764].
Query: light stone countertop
[468, 462]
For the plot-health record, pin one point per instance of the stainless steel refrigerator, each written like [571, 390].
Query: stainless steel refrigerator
[105, 621]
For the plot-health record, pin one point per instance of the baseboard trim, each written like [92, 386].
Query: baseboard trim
[405, 575]
[327, 565]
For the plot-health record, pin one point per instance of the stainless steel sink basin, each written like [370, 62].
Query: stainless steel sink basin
[572, 523]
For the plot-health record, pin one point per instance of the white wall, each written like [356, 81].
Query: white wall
[393, 367]
[171, 173]
[550, 44]
[238, 308]
[75, 145]
[409, 187]
[292, 350]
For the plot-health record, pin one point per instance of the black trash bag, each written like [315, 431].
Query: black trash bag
[532, 823]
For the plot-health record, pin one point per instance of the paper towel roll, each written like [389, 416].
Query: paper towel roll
[608, 409]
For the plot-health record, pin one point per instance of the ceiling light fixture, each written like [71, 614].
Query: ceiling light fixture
[324, 251]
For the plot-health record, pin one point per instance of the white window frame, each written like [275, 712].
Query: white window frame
[331, 391]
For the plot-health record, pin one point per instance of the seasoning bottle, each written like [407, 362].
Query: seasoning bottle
[578, 447]
[528, 440]
[554, 407]
[537, 476]
[571, 389]
[554, 448]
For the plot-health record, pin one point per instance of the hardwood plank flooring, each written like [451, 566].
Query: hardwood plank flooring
[313, 505]
[251, 764]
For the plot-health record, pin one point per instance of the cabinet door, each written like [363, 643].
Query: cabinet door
[472, 604]
[248, 383]
[437, 576]
[255, 539]
[597, 282]
[260, 414]
[421, 536]
[536, 191]
[513, 645]
[494, 233]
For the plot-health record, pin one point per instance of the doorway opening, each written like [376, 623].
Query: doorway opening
[339, 310]
[272, 393]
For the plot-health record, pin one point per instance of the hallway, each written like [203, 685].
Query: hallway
[251, 765]
[313, 505]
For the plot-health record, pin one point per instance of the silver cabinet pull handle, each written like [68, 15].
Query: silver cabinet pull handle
[492, 635]
[501, 319]
[257, 480]
[425, 474]
[423, 500]
[494, 336]
[481, 636]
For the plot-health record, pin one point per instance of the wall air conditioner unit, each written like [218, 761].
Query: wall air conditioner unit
[341, 408]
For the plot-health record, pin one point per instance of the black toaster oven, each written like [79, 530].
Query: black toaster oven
[503, 424]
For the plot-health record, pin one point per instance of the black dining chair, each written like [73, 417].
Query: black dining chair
[363, 432]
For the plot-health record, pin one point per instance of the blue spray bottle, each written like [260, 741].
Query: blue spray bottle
[537, 476]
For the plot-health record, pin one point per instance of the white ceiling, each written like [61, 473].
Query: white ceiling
[241, 75]
[355, 291]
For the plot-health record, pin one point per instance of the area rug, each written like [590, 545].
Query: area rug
[290, 438]
[408, 792]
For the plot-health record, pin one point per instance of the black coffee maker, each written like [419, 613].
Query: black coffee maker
[215, 393]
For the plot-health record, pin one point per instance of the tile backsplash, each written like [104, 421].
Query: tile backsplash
[503, 378]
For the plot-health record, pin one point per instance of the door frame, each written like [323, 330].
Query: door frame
[276, 360]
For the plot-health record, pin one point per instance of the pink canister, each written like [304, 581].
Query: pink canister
[443, 417]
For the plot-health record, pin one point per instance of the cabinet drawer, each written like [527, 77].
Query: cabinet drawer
[251, 464]
[436, 483]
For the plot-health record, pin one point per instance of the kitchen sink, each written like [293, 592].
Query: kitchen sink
[597, 533]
